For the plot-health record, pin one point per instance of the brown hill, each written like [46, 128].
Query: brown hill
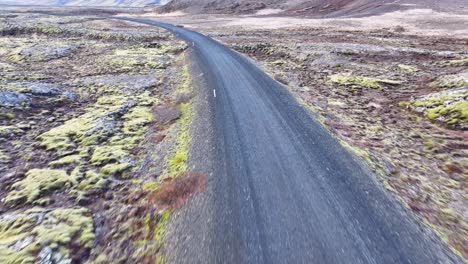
[322, 8]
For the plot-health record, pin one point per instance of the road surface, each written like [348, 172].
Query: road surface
[282, 190]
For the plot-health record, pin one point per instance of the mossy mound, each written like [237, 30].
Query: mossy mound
[136, 119]
[106, 154]
[37, 183]
[112, 169]
[456, 63]
[25, 237]
[449, 107]
[458, 80]
[67, 160]
[452, 114]
[141, 57]
[358, 82]
[408, 68]
[22, 50]
[97, 144]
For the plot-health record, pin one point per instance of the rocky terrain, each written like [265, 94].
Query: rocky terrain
[396, 100]
[95, 117]
[94, 127]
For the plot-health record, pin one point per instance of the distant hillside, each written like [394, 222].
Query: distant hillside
[309, 7]
[130, 3]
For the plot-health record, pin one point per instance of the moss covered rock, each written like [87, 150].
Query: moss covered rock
[449, 107]
[37, 183]
[26, 235]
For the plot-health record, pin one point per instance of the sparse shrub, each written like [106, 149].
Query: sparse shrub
[166, 114]
[399, 29]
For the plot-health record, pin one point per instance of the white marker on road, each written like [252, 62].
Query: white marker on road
[214, 93]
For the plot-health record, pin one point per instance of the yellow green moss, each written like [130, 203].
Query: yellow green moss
[456, 113]
[408, 68]
[150, 186]
[91, 181]
[75, 132]
[137, 57]
[37, 228]
[5, 67]
[359, 81]
[67, 160]
[4, 158]
[136, 119]
[111, 101]
[361, 153]
[456, 63]
[112, 169]
[106, 154]
[62, 137]
[177, 163]
[15, 87]
[449, 106]
[160, 230]
[68, 222]
[46, 29]
[36, 184]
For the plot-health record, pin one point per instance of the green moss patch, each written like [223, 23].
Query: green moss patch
[450, 107]
[140, 57]
[90, 180]
[37, 183]
[136, 119]
[177, 162]
[97, 144]
[67, 160]
[106, 154]
[112, 169]
[452, 114]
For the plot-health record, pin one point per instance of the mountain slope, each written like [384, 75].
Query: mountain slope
[309, 7]
[132, 3]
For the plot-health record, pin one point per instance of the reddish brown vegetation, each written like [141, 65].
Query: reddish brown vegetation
[174, 193]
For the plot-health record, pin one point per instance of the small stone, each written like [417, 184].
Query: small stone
[10, 99]
[45, 256]
[44, 89]
[20, 244]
